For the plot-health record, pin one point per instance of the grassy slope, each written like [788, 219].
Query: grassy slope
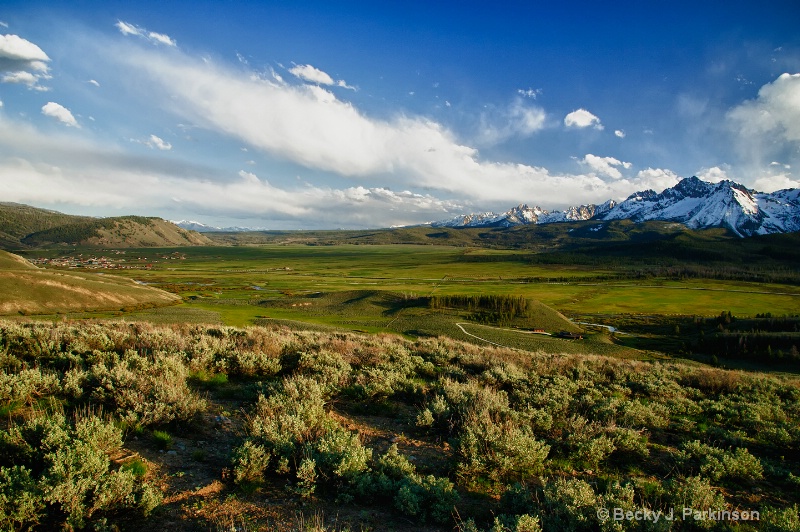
[122, 232]
[17, 221]
[25, 289]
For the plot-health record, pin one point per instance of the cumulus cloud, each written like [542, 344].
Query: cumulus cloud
[769, 125]
[16, 48]
[127, 28]
[582, 119]
[606, 166]
[23, 62]
[715, 174]
[657, 179]
[60, 113]
[22, 77]
[619, 133]
[770, 182]
[157, 142]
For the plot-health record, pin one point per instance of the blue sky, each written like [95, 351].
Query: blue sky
[287, 115]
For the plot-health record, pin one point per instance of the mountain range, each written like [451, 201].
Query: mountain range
[693, 202]
[200, 227]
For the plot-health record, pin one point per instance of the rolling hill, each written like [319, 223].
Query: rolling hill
[24, 227]
[25, 289]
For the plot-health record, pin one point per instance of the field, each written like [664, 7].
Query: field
[385, 288]
[310, 386]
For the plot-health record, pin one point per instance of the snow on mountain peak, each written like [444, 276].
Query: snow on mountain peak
[693, 202]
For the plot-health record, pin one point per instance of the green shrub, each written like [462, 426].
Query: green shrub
[162, 440]
[144, 390]
[340, 454]
[137, 467]
[780, 520]
[63, 473]
[27, 386]
[570, 505]
[291, 416]
[21, 500]
[426, 497]
[306, 478]
[498, 452]
[250, 462]
[716, 464]
[696, 493]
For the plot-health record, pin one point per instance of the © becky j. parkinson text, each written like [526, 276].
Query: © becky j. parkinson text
[671, 514]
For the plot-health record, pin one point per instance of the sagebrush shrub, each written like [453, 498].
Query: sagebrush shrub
[62, 471]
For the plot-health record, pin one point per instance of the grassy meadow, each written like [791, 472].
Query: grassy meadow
[309, 386]
[385, 289]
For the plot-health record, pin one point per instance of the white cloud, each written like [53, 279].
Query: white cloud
[529, 93]
[93, 82]
[715, 174]
[776, 110]
[57, 169]
[606, 166]
[3, 24]
[309, 73]
[768, 126]
[75, 172]
[157, 142]
[161, 38]
[657, 179]
[16, 48]
[619, 133]
[771, 182]
[315, 75]
[127, 28]
[582, 119]
[22, 77]
[24, 62]
[518, 120]
[60, 113]
[311, 127]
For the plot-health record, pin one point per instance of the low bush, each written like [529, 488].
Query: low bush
[59, 471]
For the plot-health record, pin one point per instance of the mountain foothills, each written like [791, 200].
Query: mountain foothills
[692, 202]
[26, 289]
[25, 227]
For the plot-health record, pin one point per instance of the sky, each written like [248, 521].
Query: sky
[330, 114]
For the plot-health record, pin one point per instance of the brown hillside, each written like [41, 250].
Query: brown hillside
[25, 289]
[158, 233]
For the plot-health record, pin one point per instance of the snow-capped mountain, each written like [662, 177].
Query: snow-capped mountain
[699, 205]
[693, 202]
[524, 215]
[191, 225]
